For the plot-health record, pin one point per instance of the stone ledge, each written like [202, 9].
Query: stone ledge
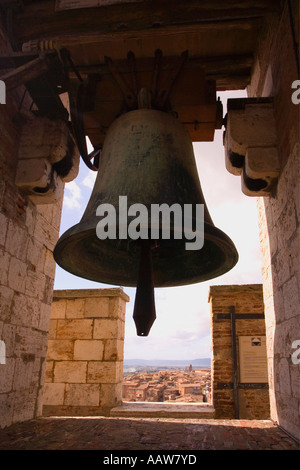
[86, 293]
[234, 289]
[53, 411]
[163, 410]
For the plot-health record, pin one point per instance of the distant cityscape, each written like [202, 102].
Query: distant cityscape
[157, 383]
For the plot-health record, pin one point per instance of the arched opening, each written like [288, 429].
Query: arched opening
[181, 334]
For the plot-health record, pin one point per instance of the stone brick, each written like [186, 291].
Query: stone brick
[45, 233]
[70, 329]
[16, 241]
[4, 263]
[75, 308]
[7, 371]
[294, 260]
[82, 395]
[44, 317]
[25, 403]
[17, 275]
[52, 329]
[70, 372]
[30, 218]
[111, 394]
[3, 228]
[36, 255]
[30, 341]
[53, 394]
[49, 265]
[90, 350]
[56, 214]
[291, 298]
[47, 295]
[60, 349]
[113, 350]
[97, 307]
[6, 296]
[26, 310]
[49, 374]
[9, 337]
[117, 307]
[104, 372]
[23, 371]
[35, 284]
[6, 409]
[58, 309]
[107, 329]
[288, 219]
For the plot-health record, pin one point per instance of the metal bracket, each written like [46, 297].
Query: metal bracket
[129, 97]
[241, 316]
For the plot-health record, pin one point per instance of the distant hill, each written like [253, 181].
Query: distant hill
[202, 362]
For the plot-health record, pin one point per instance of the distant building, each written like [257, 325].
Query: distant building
[128, 390]
[155, 393]
[192, 388]
[168, 385]
[141, 392]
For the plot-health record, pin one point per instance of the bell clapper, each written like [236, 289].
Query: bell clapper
[144, 313]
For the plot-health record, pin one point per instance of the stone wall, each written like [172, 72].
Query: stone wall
[253, 399]
[29, 229]
[27, 237]
[279, 217]
[85, 352]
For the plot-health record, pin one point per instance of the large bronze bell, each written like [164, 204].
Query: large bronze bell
[148, 157]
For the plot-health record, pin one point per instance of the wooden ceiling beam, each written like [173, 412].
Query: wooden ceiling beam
[40, 21]
[229, 72]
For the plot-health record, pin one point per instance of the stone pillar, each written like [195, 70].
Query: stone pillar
[28, 233]
[253, 398]
[274, 73]
[85, 352]
[37, 156]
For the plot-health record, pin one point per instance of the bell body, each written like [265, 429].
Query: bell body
[148, 157]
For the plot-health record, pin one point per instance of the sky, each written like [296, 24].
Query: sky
[182, 326]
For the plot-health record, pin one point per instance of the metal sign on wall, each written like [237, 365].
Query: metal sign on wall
[253, 359]
[61, 5]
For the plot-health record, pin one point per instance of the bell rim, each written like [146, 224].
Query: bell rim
[70, 242]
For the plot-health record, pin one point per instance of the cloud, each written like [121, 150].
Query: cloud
[89, 180]
[73, 195]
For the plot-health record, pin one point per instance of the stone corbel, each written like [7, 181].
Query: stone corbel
[250, 142]
[47, 158]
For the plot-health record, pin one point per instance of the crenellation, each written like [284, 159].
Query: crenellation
[248, 299]
[85, 351]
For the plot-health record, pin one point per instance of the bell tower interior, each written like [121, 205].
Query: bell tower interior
[71, 71]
